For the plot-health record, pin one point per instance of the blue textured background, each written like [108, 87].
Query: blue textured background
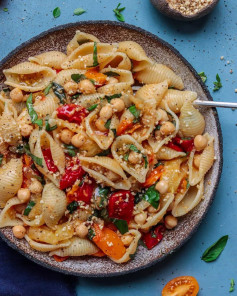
[202, 43]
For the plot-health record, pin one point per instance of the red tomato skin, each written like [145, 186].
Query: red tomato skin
[120, 205]
[83, 192]
[151, 241]
[49, 160]
[174, 147]
[71, 175]
[72, 113]
[187, 145]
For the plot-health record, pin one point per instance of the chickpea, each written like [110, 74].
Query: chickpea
[66, 136]
[19, 231]
[140, 218]
[118, 105]
[200, 142]
[100, 124]
[126, 239]
[112, 176]
[163, 115]
[146, 120]
[197, 160]
[23, 194]
[26, 130]
[71, 87]
[35, 187]
[162, 186]
[86, 87]
[78, 140]
[153, 210]
[134, 157]
[81, 230]
[16, 95]
[170, 222]
[106, 112]
[158, 135]
[112, 80]
[167, 128]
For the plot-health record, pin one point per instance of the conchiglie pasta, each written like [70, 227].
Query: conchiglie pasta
[166, 153]
[8, 215]
[117, 60]
[47, 105]
[52, 59]
[29, 76]
[157, 73]
[64, 76]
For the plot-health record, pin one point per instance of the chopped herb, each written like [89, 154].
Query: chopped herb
[111, 74]
[28, 208]
[56, 12]
[1, 158]
[36, 159]
[6, 89]
[158, 164]
[188, 184]
[78, 77]
[203, 76]
[141, 243]
[157, 127]
[152, 196]
[104, 152]
[126, 156]
[92, 81]
[91, 233]
[95, 58]
[134, 148]
[217, 83]
[103, 193]
[93, 107]
[137, 198]
[79, 11]
[135, 113]
[214, 251]
[145, 160]
[32, 113]
[118, 13]
[75, 96]
[153, 234]
[114, 131]
[122, 225]
[5, 9]
[59, 92]
[39, 178]
[47, 89]
[107, 124]
[72, 207]
[70, 150]
[109, 98]
[48, 127]
[171, 87]
[232, 285]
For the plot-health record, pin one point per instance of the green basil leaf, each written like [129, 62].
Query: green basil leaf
[111, 74]
[152, 196]
[122, 225]
[158, 164]
[6, 89]
[232, 285]
[78, 77]
[104, 192]
[5, 9]
[114, 131]
[48, 127]
[1, 158]
[126, 156]
[141, 243]
[75, 96]
[107, 124]
[72, 207]
[28, 208]
[188, 184]
[59, 92]
[135, 112]
[104, 152]
[145, 160]
[91, 234]
[26, 149]
[214, 251]
[157, 128]
[91, 108]
[134, 148]
[47, 89]
[32, 113]
[217, 83]
[203, 76]
[137, 198]
[109, 98]
[70, 150]
[118, 13]
[79, 11]
[56, 12]
[95, 58]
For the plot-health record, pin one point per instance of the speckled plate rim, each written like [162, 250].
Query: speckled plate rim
[217, 123]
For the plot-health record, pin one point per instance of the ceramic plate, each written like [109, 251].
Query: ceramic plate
[106, 31]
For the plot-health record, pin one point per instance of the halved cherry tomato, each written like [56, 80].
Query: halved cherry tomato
[72, 173]
[123, 126]
[152, 238]
[183, 185]
[134, 128]
[60, 259]
[174, 147]
[72, 113]
[49, 160]
[99, 254]
[186, 144]
[83, 192]
[154, 176]
[181, 286]
[121, 205]
[98, 77]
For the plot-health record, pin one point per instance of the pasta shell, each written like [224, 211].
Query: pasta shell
[157, 73]
[10, 180]
[105, 170]
[52, 59]
[88, 100]
[64, 76]
[192, 122]
[166, 153]
[38, 221]
[29, 76]
[54, 204]
[79, 39]
[176, 98]
[188, 201]
[46, 106]
[8, 215]
[117, 60]
[78, 247]
[206, 161]
[118, 150]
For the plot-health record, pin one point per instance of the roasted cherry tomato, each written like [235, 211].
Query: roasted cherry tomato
[82, 192]
[72, 113]
[174, 147]
[60, 259]
[181, 286]
[124, 126]
[121, 205]
[72, 173]
[186, 144]
[99, 78]
[154, 176]
[153, 237]
[49, 160]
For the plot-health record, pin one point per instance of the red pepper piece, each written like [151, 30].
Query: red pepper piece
[174, 147]
[72, 173]
[72, 113]
[121, 205]
[152, 238]
[83, 192]
[186, 144]
[49, 160]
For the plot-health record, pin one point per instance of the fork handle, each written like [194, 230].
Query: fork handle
[215, 104]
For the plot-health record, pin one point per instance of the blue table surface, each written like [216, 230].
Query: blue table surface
[202, 43]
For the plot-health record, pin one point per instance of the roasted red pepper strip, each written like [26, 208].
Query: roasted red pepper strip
[72, 113]
[72, 173]
[174, 147]
[83, 192]
[121, 205]
[186, 144]
[152, 238]
[49, 160]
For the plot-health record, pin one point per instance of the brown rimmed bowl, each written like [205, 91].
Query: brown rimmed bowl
[162, 52]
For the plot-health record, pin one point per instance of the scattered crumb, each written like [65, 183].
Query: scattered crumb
[222, 57]
[231, 71]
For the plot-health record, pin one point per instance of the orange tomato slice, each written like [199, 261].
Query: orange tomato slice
[154, 176]
[181, 286]
[59, 259]
[98, 77]
[123, 126]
